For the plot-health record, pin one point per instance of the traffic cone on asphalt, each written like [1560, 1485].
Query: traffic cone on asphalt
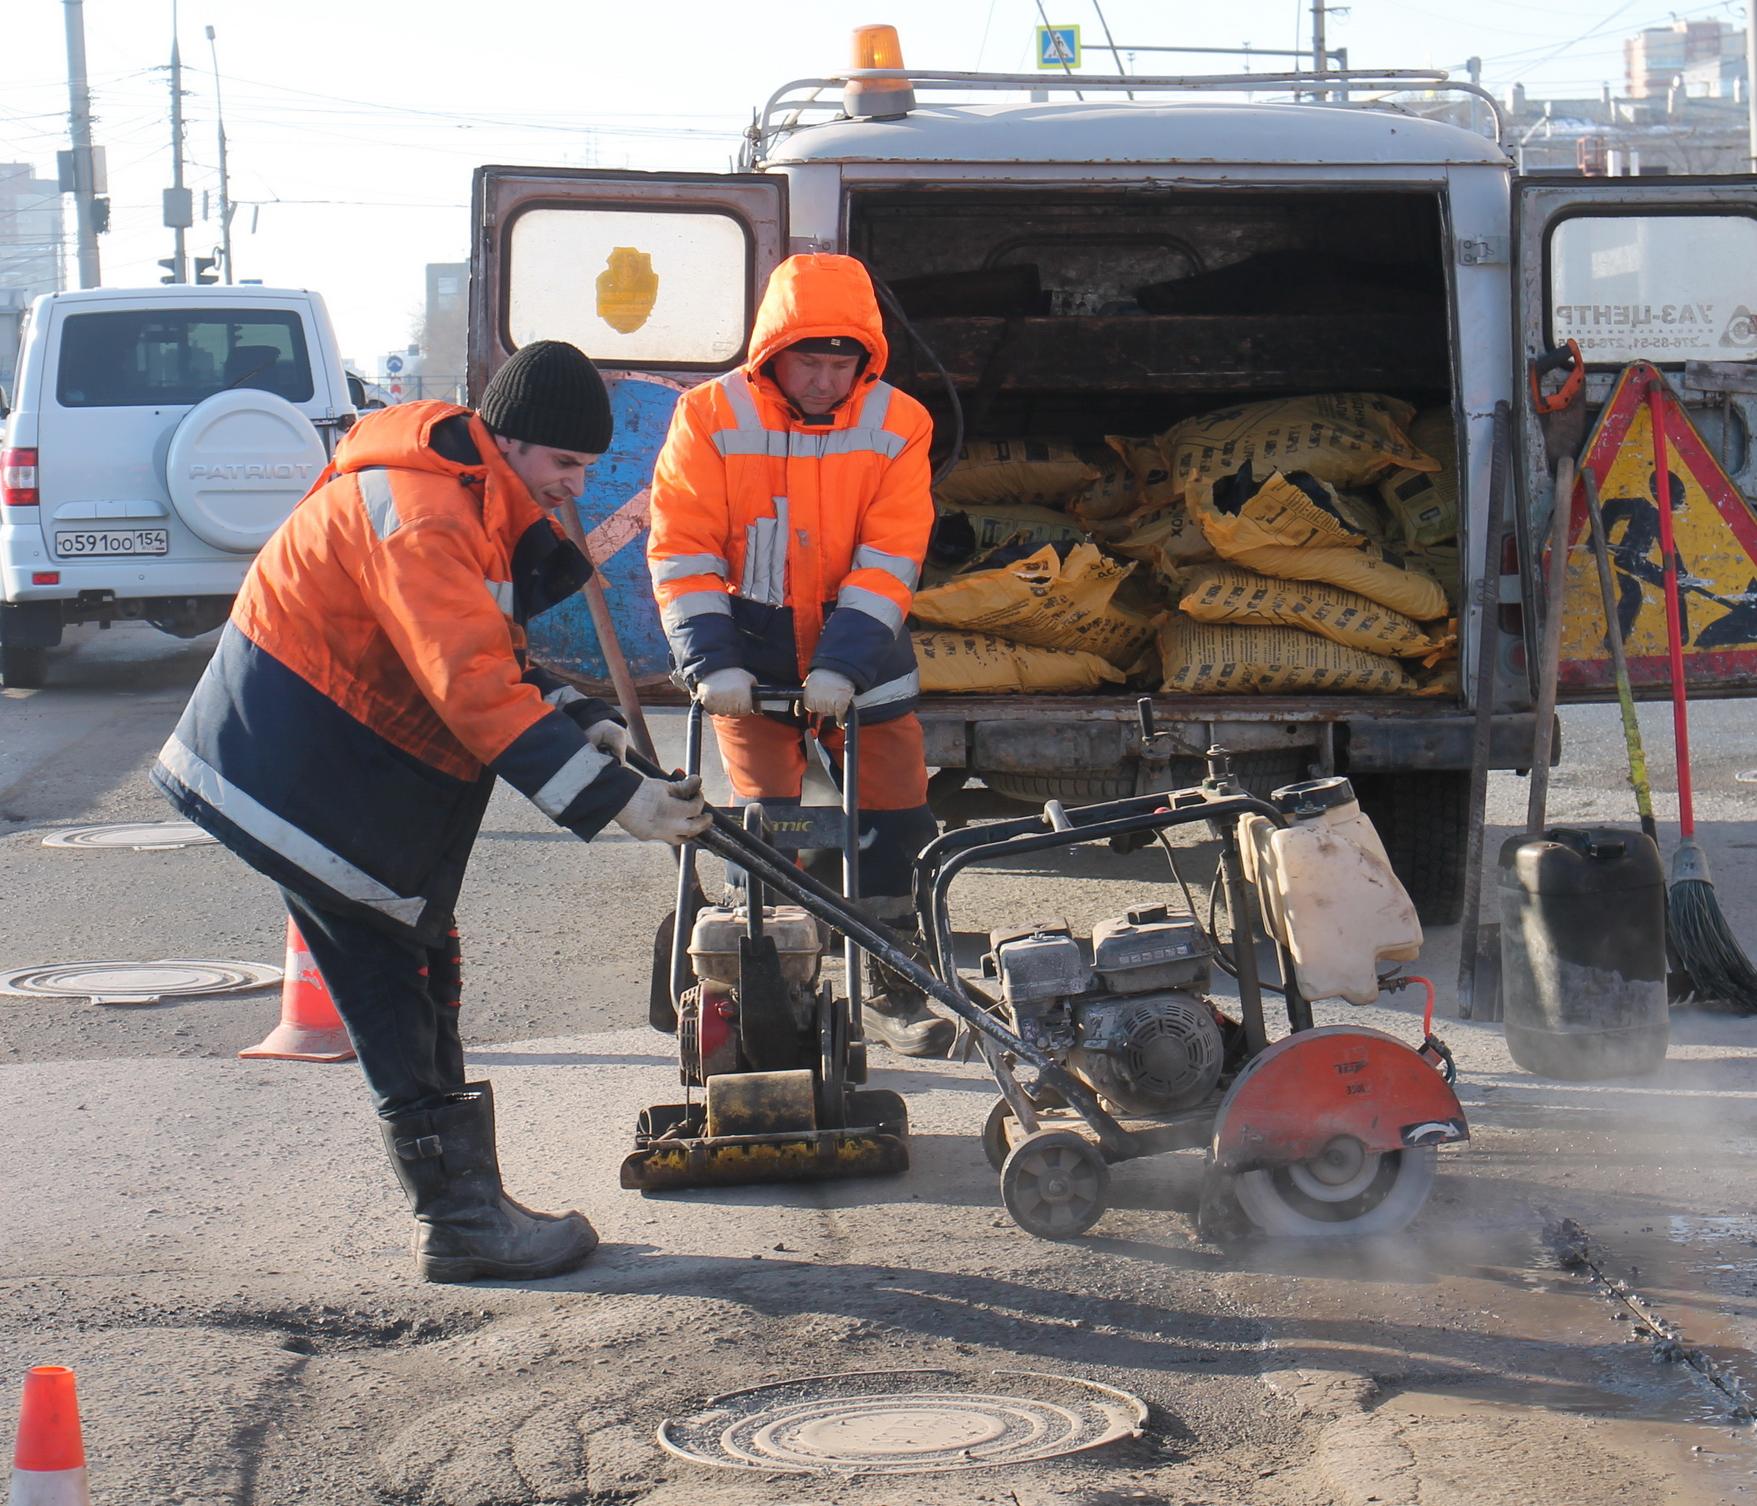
[310, 1029]
[48, 1465]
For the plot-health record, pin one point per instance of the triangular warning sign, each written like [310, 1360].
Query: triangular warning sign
[1717, 552]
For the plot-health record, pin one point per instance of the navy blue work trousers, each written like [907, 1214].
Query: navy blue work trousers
[398, 999]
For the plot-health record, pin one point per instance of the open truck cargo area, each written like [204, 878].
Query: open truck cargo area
[1091, 274]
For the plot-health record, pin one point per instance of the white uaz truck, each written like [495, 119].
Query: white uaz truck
[657, 276]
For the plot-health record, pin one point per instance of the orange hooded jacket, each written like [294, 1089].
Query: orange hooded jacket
[781, 546]
[372, 680]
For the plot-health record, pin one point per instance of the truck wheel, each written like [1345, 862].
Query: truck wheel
[23, 668]
[1421, 818]
[1034, 789]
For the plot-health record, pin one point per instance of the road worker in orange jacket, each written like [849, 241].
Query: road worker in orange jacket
[790, 514]
[371, 686]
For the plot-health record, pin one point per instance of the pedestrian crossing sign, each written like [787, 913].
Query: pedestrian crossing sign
[1058, 47]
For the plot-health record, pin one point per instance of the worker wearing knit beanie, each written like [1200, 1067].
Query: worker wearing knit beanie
[550, 394]
[374, 681]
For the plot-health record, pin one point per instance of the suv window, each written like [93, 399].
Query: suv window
[152, 358]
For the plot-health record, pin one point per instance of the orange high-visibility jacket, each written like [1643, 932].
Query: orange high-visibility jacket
[781, 546]
[372, 681]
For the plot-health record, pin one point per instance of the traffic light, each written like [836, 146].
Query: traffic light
[100, 215]
[204, 269]
[169, 263]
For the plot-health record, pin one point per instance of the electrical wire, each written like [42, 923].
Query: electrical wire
[895, 306]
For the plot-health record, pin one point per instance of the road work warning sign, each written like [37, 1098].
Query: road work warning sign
[1716, 534]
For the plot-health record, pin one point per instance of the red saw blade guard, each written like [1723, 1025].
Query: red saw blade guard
[1304, 1091]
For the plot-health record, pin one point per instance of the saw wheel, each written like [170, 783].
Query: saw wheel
[1055, 1184]
[1343, 1192]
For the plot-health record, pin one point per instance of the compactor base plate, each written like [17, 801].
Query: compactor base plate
[673, 1152]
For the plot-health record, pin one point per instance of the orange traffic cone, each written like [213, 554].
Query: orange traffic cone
[48, 1466]
[310, 1029]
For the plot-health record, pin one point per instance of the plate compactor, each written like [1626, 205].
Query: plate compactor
[1104, 1050]
[776, 1053]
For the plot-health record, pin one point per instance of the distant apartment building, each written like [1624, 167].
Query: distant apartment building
[1682, 111]
[32, 247]
[1705, 59]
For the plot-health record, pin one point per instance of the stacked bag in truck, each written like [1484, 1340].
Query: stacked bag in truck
[1042, 602]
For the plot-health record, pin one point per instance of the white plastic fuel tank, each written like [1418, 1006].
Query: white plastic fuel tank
[1327, 891]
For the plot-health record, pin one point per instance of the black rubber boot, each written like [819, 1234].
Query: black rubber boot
[466, 1227]
[893, 1010]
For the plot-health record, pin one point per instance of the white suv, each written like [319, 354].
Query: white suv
[157, 437]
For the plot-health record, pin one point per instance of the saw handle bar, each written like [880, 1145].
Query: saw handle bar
[942, 861]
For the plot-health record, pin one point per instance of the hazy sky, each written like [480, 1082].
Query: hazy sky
[353, 128]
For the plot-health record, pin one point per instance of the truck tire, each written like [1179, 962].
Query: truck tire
[1422, 819]
[1034, 789]
[1259, 772]
[22, 667]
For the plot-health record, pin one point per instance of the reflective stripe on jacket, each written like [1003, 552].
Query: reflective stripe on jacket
[782, 546]
[372, 682]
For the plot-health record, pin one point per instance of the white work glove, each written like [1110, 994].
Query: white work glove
[726, 692]
[609, 737]
[665, 810]
[827, 693]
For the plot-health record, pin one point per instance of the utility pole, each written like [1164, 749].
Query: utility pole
[179, 203]
[1750, 81]
[1320, 54]
[225, 195]
[79, 117]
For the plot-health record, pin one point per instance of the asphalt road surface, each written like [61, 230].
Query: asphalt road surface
[218, 1249]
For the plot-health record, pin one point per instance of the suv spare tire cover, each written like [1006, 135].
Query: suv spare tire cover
[238, 463]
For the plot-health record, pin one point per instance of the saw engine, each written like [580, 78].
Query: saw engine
[1133, 1021]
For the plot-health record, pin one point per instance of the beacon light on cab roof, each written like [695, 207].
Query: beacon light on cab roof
[877, 98]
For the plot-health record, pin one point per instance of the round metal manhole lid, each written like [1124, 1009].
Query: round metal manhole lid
[132, 836]
[137, 982]
[903, 1422]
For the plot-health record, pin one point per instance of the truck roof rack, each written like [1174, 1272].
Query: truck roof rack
[792, 106]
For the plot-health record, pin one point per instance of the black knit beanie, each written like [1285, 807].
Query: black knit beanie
[550, 394]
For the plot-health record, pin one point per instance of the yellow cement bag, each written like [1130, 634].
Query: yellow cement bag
[1224, 593]
[1015, 470]
[973, 663]
[1426, 505]
[1005, 523]
[1165, 538]
[1439, 563]
[1114, 494]
[1140, 465]
[1345, 438]
[1280, 530]
[1203, 658]
[1046, 602]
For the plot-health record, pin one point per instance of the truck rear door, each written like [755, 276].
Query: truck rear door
[1654, 270]
[649, 273]
[656, 277]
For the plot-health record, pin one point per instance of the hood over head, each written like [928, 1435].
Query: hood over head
[814, 296]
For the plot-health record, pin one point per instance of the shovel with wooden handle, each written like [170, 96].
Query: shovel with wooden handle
[661, 1011]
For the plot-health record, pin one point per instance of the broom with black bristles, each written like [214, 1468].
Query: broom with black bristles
[1698, 932]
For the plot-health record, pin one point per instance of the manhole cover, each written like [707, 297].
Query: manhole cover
[136, 982]
[134, 836]
[903, 1422]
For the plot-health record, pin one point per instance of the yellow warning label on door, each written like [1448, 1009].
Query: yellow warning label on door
[1716, 538]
